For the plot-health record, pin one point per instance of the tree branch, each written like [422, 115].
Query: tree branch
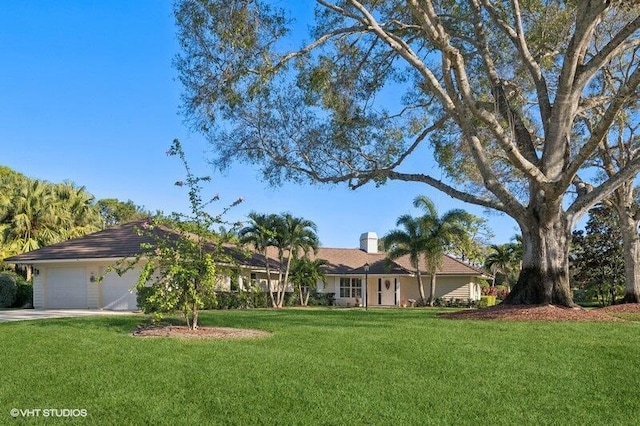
[517, 36]
[599, 132]
[582, 204]
[447, 189]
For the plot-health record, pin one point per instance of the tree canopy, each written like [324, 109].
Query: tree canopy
[36, 213]
[503, 94]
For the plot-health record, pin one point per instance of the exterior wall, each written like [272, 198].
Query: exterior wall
[409, 288]
[447, 287]
[38, 289]
[452, 287]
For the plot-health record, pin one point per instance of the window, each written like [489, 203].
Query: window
[350, 287]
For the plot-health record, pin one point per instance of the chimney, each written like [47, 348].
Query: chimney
[369, 242]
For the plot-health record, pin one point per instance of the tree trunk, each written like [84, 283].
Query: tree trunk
[281, 285]
[266, 264]
[286, 275]
[631, 247]
[301, 295]
[306, 297]
[544, 277]
[420, 286]
[432, 289]
[194, 321]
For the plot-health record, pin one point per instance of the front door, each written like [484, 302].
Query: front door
[386, 291]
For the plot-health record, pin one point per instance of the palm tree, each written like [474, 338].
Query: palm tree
[306, 273]
[409, 241]
[426, 237]
[82, 215]
[440, 232]
[505, 258]
[500, 260]
[294, 235]
[260, 234]
[35, 218]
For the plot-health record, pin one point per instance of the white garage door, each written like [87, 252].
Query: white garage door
[116, 291]
[66, 288]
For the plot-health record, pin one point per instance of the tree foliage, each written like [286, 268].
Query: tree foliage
[36, 213]
[427, 238]
[115, 212]
[290, 236]
[305, 275]
[504, 260]
[597, 256]
[496, 91]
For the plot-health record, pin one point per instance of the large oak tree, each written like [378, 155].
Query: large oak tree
[496, 90]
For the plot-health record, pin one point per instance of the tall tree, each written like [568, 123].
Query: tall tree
[474, 247]
[621, 147]
[409, 241]
[497, 94]
[294, 235]
[260, 233]
[81, 215]
[597, 255]
[501, 260]
[441, 232]
[35, 218]
[427, 237]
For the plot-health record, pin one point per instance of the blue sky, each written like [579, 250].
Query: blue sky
[89, 94]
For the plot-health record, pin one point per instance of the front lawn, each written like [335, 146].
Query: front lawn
[326, 367]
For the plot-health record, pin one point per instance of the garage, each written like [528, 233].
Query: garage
[66, 288]
[116, 291]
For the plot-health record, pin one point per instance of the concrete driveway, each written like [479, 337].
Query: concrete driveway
[34, 314]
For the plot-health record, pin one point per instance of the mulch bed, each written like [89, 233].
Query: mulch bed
[543, 313]
[199, 333]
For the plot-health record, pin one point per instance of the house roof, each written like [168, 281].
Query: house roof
[125, 241]
[351, 261]
[118, 242]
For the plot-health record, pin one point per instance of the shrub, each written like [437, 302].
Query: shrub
[486, 301]
[145, 301]
[454, 303]
[8, 289]
[502, 291]
[24, 294]
[489, 291]
[321, 299]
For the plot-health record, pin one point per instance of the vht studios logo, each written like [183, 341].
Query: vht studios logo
[48, 412]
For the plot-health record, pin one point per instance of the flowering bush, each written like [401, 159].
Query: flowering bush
[489, 291]
[183, 261]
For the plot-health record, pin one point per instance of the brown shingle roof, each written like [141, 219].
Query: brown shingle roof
[345, 261]
[118, 242]
[125, 240]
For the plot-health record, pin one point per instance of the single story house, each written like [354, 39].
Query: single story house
[65, 274]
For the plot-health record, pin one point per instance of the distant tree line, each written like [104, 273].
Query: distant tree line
[35, 213]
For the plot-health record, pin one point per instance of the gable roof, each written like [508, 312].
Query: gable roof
[125, 241]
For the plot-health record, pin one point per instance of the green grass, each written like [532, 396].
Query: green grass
[326, 367]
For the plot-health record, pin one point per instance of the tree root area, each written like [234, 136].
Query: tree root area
[199, 333]
[544, 313]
